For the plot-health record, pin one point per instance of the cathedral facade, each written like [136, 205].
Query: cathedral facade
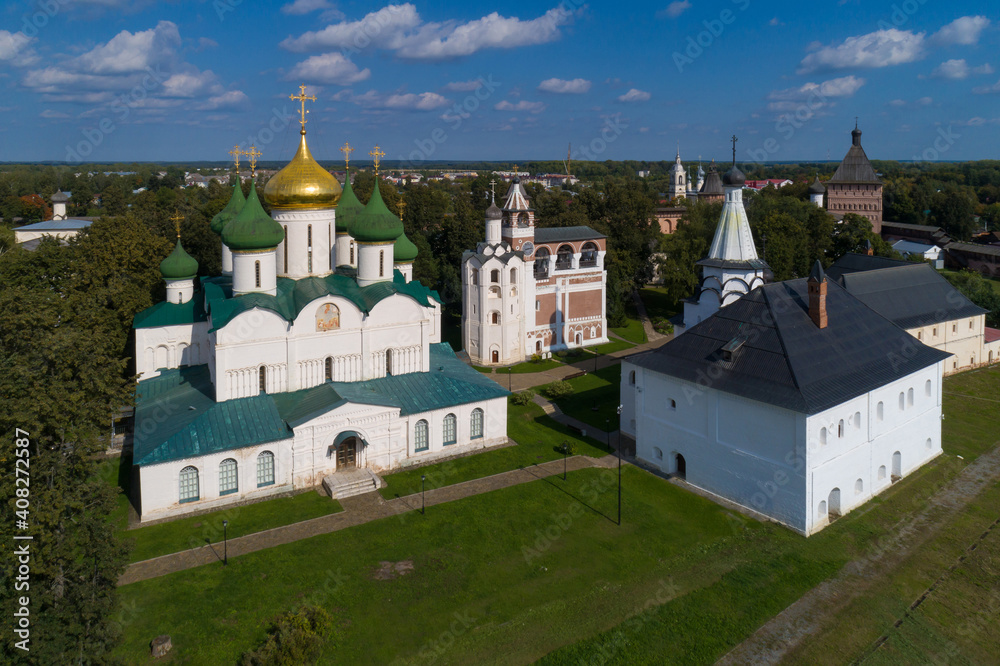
[529, 291]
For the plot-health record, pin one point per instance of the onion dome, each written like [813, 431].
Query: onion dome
[252, 229]
[349, 207]
[817, 187]
[376, 224]
[734, 177]
[179, 265]
[59, 197]
[232, 209]
[303, 183]
[494, 212]
[404, 251]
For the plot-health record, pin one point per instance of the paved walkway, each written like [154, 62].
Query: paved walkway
[357, 511]
[647, 325]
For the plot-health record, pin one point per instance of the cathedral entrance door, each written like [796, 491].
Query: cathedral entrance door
[347, 454]
[496, 356]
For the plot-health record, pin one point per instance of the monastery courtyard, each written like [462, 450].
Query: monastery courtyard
[521, 558]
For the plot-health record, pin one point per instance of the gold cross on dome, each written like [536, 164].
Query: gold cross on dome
[515, 169]
[177, 219]
[302, 97]
[347, 150]
[401, 205]
[236, 152]
[376, 156]
[253, 154]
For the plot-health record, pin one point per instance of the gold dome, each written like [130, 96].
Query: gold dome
[303, 183]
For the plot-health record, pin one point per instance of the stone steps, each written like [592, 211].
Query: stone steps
[350, 483]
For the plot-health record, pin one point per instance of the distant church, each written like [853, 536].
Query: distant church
[530, 291]
[313, 359]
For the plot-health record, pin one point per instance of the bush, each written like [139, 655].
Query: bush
[536, 358]
[570, 448]
[662, 325]
[559, 390]
[295, 637]
[522, 398]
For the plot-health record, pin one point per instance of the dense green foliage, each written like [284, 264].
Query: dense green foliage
[294, 638]
[980, 291]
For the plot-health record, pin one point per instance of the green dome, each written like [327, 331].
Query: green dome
[404, 251]
[252, 229]
[179, 265]
[375, 224]
[231, 210]
[349, 207]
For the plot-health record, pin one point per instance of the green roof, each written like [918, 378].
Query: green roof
[252, 229]
[172, 314]
[404, 251]
[349, 207]
[376, 224]
[197, 425]
[179, 265]
[232, 209]
[293, 295]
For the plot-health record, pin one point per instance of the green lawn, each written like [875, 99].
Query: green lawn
[527, 367]
[658, 304]
[600, 390]
[537, 437]
[611, 347]
[632, 331]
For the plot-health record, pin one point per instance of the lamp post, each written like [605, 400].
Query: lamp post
[565, 451]
[225, 542]
[607, 431]
[509, 385]
[423, 507]
[619, 464]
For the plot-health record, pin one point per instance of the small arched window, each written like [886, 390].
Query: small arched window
[189, 491]
[927, 388]
[859, 487]
[285, 249]
[262, 379]
[631, 377]
[496, 318]
[909, 397]
[494, 292]
[657, 453]
[352, 253]
[329, 368]
[256, 269]
[880, 411]
[822, 436]
[421, 439]
[930, 444]
[309, 247]
[857, 420]
[450, 430]
[388, 362]
[673, 404]
[476, 424]
[265, 469]
[475, 276]
[588, 256]
[228, 482]
[495, 276]
[513, 276]
[840, 428]
[881, 472]
[564, 258]
[902, 401]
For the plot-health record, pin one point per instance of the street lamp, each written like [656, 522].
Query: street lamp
[423, 507]
[607, 431]
[565, 451]
[619, 464]
[509, 385]
[225, 542]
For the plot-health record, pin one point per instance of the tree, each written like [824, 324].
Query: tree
[851, 236]
[978, 290]
[953, 209]
[678, 252]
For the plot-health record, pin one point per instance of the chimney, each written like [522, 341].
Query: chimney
[868, 248]
[817, 295]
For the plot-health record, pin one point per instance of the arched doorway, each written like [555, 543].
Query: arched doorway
[579, 339]
[897, 466]
[833, 504]
[495, 356]
[347, 454]
[681, 465]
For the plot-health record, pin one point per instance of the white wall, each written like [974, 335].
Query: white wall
[170, 347]
[297, 224]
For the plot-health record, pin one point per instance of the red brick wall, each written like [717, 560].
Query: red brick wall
[585, 304]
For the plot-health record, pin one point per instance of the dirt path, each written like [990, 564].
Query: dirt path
[772, 642]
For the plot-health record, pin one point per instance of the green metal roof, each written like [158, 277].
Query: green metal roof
[404, 251]
[293, 295]
[179, 265]
[195, 424]
[252, 229]
[172, 314]
[232, 209]
[349, 207]
[376, 224]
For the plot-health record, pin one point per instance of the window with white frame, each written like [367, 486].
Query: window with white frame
[476, 425]
[189, 485]
[421, 438]
[450, 429]
[265, 469]
[227, 477]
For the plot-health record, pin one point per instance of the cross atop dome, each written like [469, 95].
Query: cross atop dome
[236, 152]
[376, 156]
[253, 154]
[347, 150]
[302, 97]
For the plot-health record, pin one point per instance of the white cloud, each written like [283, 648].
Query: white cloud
[426, 101]
[190, 83]
[523, 105]
[634, 95]
[881, 48]
[985, 68]
[775, 22]
[329, 68]
[674, 9]
[399, 28]
[16, 48]
[464, 86]
[204, 43]
[575, 86]
[55, 115]
[897, 102]
[951, 69]
[925, 101]
[132, 52]
[300, 7]
[984, 90]
[965, 30]
[227, 100]
[814, 95]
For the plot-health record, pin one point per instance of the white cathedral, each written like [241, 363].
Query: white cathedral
[313, 359]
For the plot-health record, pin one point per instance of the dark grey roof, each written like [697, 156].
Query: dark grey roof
[60, 197]
[816, 274]
[907, 294]
[556, 234]
[912, 227]
[817, 187]
[734, 177]
[973, 247]
[855, 167]
[494, 212]
[786, 360]
[712, 184]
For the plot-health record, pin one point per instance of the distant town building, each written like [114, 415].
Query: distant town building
[816, 192]
[712, 189]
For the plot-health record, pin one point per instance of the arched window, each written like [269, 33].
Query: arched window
[822, 436]
[285, 243]
[388, 362]
[513, 276]
[631, 377]
[564, 258]
[588, 257]
[189, 485]
[256, 268]
[909, 397]
[857, 420]
[449, 430]
[309, 247]
[840, 428]
[673, 404]
[327, 317]
[522, 219]
[352, 253]
[228, 483]
[421, 439]
[859, 487]
[476, 429]
[880, 411]
[329, 368]
[475, 276]
[381, 263]
[881, 472]
[265, 469]
[657, 453]
[495, 276]
[262, 379]
[495, 318]
[494, 292]
[927, 388]
[541, 263]
[930, 444]
[902, 401]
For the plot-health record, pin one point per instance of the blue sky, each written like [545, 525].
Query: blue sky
[110, 80]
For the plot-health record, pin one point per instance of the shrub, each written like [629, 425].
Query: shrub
[522, 398]
[536, 358]
[559, 390]
[295, 637]
[570, 448]
[662, 325]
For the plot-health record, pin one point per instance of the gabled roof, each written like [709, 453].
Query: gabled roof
[853, 263]
[569, 234]
[786, 360]
[70, 224]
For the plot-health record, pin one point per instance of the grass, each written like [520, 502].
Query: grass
[541, 571]
[527, 367]
[658, 304]
[596, 389]
[537, 437]
[611, 347]
[631, 331]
